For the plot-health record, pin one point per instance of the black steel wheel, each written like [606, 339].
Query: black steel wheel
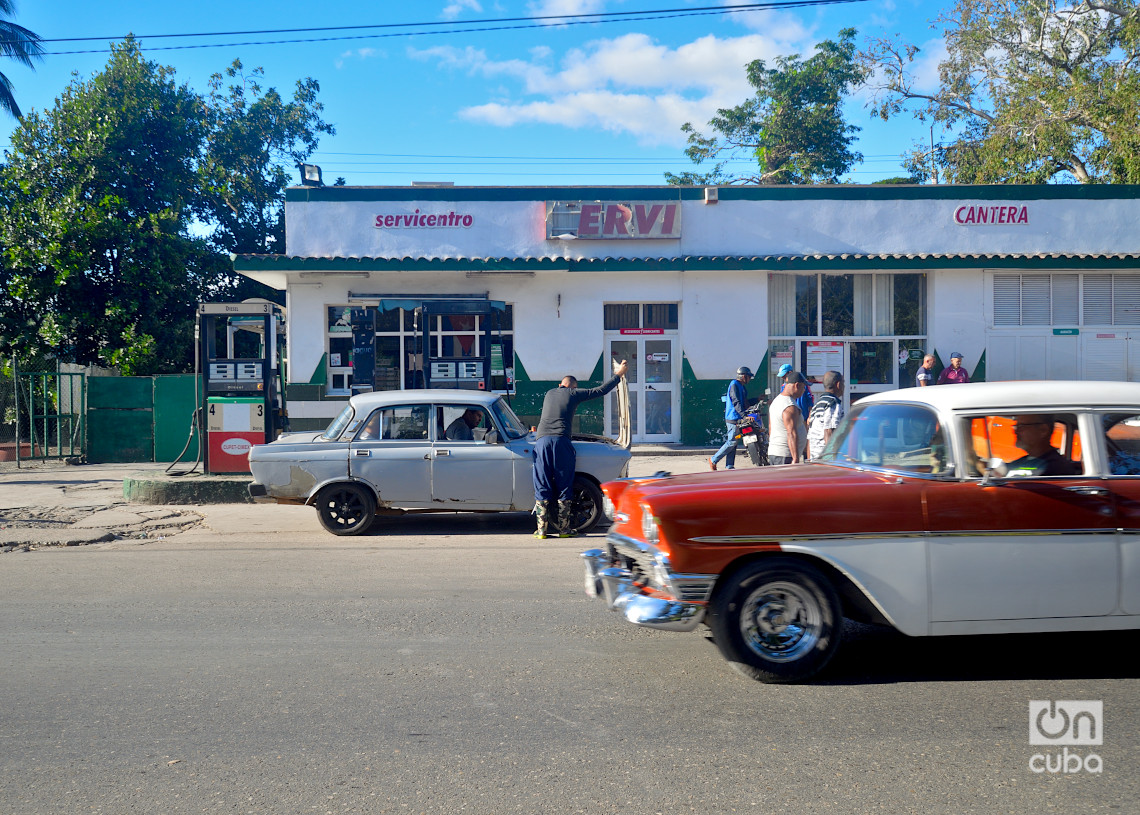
[345, 509]
[587, 502]
[776, 620]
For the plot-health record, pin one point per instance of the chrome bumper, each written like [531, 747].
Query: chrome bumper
[615, 587]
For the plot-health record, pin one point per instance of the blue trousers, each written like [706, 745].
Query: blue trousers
[554, 463]
[727, 450]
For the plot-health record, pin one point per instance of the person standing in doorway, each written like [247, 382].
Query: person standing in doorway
[954, 373]
[554, 457]
[925, 375]
[826, 413]
[787, 434]
[735, 406]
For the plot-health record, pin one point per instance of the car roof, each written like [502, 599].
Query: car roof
[453, 396]
[1013, 396]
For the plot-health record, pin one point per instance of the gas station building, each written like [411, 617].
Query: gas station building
[511, 288]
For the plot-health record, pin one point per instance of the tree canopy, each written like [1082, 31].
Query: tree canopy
[112, 205]
[20, 44]
[793, 127]
[1030, 91]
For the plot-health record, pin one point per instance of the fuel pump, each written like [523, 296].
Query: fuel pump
[242, 385]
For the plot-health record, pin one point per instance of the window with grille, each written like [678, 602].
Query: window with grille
[1066, 299]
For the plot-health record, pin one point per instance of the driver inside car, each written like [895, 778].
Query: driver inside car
[1033, 433]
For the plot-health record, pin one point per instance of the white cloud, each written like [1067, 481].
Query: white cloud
[542, 8]
[456, 7]
[627, 84]
[925, 68]
[358, 54]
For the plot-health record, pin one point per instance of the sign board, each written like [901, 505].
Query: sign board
[823, 357]
[614, 220]
[1066, 332]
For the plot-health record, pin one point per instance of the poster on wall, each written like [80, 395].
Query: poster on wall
[823, 357]
[780, 357]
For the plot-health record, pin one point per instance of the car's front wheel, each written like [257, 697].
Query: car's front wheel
[776, 620]
[345, 509]
[587, 505]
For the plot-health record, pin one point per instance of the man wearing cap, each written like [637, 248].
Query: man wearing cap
[954, 374]
[807, 399]
[735, 406]
[787, 433]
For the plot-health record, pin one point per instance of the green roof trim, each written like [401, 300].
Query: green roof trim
[332, 266]
[838, 192]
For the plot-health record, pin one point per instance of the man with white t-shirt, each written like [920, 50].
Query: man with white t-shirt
[787, 433]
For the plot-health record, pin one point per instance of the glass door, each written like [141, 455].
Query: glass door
[653, 391]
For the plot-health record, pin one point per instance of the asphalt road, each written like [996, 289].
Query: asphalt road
[449, 664]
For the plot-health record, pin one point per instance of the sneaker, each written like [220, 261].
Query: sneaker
[540, 535]
[570, 534]
[712, 465]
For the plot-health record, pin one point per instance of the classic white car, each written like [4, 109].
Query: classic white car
[393, 452]
[965, 509]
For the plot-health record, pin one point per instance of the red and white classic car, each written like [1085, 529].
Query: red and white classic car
[973, 509]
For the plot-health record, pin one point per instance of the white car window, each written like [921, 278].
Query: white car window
[907, 438]
[1030, 444]
[462, 423]
[1122, 441]
[399, 422]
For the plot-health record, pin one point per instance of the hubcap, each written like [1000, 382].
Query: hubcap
[781, 621]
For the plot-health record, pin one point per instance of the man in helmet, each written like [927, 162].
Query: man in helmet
[735, 406]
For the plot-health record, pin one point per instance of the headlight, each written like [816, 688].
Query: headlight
[608, 507]
[648, 524]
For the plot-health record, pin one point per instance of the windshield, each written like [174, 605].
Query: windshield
[907, 438]
[512, 424]
[334, 430]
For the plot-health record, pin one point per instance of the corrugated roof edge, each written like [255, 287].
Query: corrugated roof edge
[852, 261]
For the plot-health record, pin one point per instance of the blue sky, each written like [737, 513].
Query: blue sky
[600, 103]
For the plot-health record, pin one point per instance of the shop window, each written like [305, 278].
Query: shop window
[399, 346]
[859, 305]
[617, 316]
[837, 295]
[661, 315]
[622, 315]
[806, 305]
[872, 363]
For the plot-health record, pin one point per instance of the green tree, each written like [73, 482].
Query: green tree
[255, 141]
[17, 43]
[119, 206]
[97, 194]
[793, 128]
[1031, 91]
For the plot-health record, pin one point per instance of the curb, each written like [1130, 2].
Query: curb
[146, 488]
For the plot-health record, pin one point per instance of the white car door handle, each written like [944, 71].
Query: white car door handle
[443, 452]
[362, 453]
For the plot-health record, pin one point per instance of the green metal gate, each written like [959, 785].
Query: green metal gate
[50, 409]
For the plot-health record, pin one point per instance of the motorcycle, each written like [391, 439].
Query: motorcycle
[754, 433]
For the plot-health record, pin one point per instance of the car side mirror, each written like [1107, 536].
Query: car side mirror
[492, 437]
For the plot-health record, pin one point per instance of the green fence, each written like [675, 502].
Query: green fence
[141, 418]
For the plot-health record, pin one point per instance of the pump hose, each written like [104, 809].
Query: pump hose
[195, 425]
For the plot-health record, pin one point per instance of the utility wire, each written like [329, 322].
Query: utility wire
[472, 26]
